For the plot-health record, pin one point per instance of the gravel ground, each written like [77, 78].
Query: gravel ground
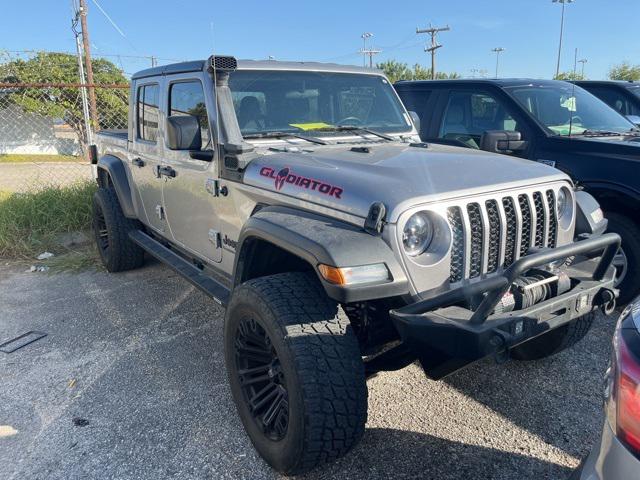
[130, 383]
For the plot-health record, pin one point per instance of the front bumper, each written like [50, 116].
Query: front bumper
[446, 337]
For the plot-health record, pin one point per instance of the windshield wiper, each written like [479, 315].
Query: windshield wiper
[353, 128]
[602, 133]
[285, 135]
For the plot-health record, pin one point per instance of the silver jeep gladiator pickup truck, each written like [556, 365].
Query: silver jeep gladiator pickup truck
[299, 196]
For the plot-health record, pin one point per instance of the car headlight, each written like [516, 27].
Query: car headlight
[564, 202]
[417, 234]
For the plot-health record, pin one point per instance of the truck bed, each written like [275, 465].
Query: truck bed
[112, 142]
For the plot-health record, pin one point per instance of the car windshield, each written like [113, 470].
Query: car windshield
[569, 110]
[319, 102]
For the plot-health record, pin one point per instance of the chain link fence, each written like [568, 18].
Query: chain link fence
[45, 125]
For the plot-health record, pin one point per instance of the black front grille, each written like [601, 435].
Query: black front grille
[494, 236]
[477, 231]
[507, 223]
[553, 224]
[540, 219]
[525, 210]
[457, 250]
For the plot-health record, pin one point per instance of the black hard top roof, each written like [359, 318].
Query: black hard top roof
[623, 83]
[199, 65]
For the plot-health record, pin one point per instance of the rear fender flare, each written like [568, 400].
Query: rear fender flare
[117, 173]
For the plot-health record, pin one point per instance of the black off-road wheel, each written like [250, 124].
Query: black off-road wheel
[111, 230]
[295, 370]
[627, 260]
[554, 341]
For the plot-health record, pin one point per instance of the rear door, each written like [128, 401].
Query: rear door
[146, 152]
[189, 196]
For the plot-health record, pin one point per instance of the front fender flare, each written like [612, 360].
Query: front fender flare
[118, 175]
[319, 239]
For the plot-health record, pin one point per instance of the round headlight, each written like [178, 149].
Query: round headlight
[564, 199]
[417, 234]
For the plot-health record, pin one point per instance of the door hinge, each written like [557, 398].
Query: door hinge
[214, 188]
[160, 212]
[214, 237]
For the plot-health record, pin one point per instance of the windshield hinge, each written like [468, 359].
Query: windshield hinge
[375, 218]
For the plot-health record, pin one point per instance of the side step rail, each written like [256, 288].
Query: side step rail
[191, 273]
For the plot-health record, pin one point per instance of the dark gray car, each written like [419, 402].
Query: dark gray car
[616, 456]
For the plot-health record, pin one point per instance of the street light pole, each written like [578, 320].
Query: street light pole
[364, 37]
[497, 51]
[563, 2]
[582, 61]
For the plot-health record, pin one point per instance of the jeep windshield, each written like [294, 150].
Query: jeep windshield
[307, 103]
[568, 110]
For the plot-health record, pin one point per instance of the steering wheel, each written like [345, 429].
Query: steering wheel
[351, 121]
[576, 119]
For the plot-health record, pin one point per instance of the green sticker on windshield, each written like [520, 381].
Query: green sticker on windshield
[311, 126]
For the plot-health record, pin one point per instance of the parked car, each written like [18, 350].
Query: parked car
[622, 96]
[616, 455]
[299, 197]
[551, 122]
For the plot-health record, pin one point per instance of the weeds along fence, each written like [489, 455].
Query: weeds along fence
[44, 135]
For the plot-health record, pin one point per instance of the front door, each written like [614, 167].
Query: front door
[189, 196]
[146, 154]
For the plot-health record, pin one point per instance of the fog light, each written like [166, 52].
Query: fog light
[355, 275]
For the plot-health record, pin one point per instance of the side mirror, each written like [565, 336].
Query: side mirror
[416, 120]
[502, 141]
[635, 119]
[183, 133]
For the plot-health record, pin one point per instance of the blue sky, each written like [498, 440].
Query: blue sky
[603, 31]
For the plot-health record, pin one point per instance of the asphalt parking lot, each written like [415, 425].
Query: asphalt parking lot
[130, 383]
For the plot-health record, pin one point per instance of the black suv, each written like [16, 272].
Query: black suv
[620, 95]
[548, 121]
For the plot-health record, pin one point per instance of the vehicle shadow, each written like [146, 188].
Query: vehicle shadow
[399, 454]
[558, 399]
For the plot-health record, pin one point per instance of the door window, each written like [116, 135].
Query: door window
[468, 115]
[615, 99]
[187, 98]
[148, 112]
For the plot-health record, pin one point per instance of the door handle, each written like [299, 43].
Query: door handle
[138, 162]
[167, 171]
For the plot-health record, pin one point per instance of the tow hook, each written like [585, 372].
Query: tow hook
[608, 300]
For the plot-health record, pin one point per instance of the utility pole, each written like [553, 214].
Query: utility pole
[433, 32]
[87, 57]
[497, 51]
[154, 62]
[582, 61]
[563, 2]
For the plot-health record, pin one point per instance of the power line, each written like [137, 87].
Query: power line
[433, 32]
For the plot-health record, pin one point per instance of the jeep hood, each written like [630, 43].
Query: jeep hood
[350, 178]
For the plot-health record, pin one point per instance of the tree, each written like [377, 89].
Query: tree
[568, 76]
[625, 71]
[64, 102]
[395, 71]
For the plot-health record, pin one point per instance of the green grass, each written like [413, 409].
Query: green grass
[31, 223]
[26, 158]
